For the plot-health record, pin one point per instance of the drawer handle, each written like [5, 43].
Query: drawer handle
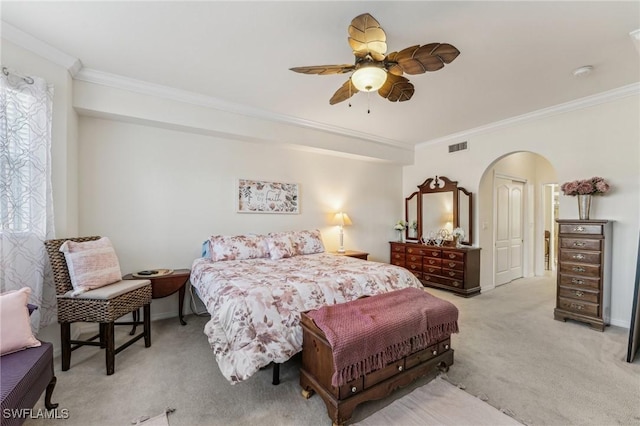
[456, 284]
[400, 368]
[354, 389]
[413, 266]
[435, 352]
[431, 262]
[578, 269]
[576, 281]
[446, 346]
[576, 306]
[579, 256]
[579, 244]
[431, 269]
[579, 229]
[452, 274]
[434, 253]
[452, 256]
[451, 264]
[427, 278]
[579, 293]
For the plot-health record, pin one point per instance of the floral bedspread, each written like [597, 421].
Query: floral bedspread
[255, 304]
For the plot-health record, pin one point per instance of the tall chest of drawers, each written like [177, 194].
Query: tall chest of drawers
[449, 268]
[584, 272]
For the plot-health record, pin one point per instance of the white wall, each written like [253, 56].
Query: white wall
[158, 193]
[601, 140]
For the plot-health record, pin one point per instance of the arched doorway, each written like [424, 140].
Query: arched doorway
[513, 240]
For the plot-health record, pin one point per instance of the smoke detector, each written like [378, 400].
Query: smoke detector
[583, 71]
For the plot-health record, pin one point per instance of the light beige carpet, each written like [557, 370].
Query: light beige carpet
[438, 403]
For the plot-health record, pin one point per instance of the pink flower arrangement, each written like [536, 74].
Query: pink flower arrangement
[594, 186]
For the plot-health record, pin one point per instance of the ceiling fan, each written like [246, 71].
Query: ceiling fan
[373, 70]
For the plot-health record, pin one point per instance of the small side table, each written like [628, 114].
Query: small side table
[166, 285]
[353, 253]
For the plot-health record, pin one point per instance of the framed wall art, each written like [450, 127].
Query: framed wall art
[256, 196]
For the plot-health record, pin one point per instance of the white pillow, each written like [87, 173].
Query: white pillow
[15, 326]
[91, 264]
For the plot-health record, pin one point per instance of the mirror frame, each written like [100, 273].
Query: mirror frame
[407, 218]
[443, 184]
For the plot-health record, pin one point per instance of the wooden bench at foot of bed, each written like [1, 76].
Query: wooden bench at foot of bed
[317, 370]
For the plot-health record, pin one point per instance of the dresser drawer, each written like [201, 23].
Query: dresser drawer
[413, 258]
[576, 306]
[452, 264]
[571, 293]
[580, 256]
[418, 274]
[414, 266]
[430, 252]
[397, 256]
[421, 356]
[451, 274]
[417, 251]
[351, 388]
[384, 373]
[431, 261]
[397, 248]
[581, 243]
[397, 262]
[579, 228]
[582, 282]
[581, 269]
[452, 255]
[451, 282]
[432, 270]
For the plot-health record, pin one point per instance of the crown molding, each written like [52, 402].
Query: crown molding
[588, 101]
[146, 88]
[39, 47]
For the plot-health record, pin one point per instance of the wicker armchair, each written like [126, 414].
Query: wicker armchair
[103, 305]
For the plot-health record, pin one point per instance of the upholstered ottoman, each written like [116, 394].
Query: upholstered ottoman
[24, 375]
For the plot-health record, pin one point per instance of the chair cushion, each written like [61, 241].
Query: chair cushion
[91, 264]
[112, 290]
[15, 326]
[25, 375]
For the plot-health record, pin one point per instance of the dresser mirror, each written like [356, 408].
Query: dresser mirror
[411, 216]
[439, 204]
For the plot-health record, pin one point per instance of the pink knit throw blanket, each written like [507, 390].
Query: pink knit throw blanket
[369, 333]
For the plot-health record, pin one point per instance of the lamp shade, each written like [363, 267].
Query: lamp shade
[341, 219]
[369, 78]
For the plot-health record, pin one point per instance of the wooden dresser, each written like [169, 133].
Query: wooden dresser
[447, 267]
[584, 272]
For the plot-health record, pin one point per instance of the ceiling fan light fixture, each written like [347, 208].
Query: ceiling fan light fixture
[369, 78]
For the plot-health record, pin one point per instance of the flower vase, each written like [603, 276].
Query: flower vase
[584, 205]
[399, 235]
[458, 241]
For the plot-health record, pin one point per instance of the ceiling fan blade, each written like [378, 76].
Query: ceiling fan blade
[343, 93]
[367, 38]
[324, 69]
[396, 88]
[430, 57]
[391, 64]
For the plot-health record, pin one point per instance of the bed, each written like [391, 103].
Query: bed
[255, 301]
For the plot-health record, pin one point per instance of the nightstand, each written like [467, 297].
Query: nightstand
[352, 253]
[166, 285]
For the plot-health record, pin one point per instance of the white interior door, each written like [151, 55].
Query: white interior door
[509, 229]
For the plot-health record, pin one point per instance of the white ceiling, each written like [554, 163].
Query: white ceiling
[516, 57]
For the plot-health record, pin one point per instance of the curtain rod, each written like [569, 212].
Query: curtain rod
[27, 79]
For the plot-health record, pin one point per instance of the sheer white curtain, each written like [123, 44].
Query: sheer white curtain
[26, 210]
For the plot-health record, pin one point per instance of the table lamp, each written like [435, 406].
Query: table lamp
[341, 219]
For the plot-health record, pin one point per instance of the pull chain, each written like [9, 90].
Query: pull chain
[368, 102]
[350, 83]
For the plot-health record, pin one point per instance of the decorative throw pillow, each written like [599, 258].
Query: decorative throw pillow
[281, 245]
[238, 247]
[15, 328]
[308, 242]
[91, 264]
